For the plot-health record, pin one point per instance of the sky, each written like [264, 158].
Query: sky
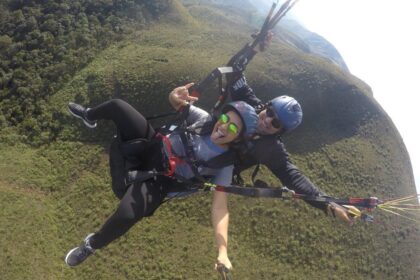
[380, 43]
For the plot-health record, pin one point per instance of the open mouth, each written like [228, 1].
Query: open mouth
[219, 133]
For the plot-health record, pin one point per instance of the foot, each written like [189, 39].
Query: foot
[81, 112]
[79, 254]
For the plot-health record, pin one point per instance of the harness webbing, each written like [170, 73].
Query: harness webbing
[252, 192]
[190, 156]
[172, 159]
[368, 203]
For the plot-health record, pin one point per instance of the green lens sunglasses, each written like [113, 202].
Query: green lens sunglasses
[232, 127]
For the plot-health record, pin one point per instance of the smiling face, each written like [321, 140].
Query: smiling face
[265, 124]
[222, 135]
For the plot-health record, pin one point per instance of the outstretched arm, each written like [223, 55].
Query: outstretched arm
[220, 221]
[277, 160]
[239, 89]
[292, 177]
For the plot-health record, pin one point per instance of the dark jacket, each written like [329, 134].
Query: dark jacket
[269, 150]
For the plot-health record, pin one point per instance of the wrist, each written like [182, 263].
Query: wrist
[223, 251]
[176, 103]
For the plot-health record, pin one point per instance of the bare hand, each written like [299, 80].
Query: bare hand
[223, 260]
[340, 212]
[180, 96]
[267, 41]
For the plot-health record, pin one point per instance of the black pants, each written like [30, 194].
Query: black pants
[129, 121]
[140, 199]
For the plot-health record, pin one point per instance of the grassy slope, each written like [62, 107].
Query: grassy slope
[54, 195]
[28, 234]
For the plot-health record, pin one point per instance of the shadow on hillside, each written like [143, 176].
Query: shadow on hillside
[329, 117]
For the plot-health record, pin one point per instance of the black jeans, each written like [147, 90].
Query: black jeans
[140, 199]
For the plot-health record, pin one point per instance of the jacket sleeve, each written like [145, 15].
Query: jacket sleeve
[238, 87]
[196, 114]
[241, 91]
[241, 59]
[277, 160]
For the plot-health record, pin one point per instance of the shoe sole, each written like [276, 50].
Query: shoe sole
[68, 255]
[84, 121]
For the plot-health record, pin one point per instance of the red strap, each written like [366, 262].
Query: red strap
[173, 160]
[220, 189]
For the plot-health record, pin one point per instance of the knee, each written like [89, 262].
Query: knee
[131, 213]
[129, 218]
[118, 103]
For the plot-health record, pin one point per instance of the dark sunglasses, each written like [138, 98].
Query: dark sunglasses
[275, 122]
[232, 127]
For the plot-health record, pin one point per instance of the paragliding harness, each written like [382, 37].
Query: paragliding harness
[172, 159]
[126, 162]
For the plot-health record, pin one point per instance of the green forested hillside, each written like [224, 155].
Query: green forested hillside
[44, 43]
[54, 178]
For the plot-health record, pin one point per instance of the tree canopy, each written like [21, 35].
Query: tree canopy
[43, 43]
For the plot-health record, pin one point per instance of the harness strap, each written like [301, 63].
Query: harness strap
[172, 159]
[368, 203]
[220, 161]
[190, 156]
[140, 176]
[254, 173]
[253, 192]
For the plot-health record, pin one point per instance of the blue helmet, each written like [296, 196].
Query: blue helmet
[247, 114]
[288, 111]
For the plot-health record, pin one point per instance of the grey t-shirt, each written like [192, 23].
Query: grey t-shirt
[204, 149]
